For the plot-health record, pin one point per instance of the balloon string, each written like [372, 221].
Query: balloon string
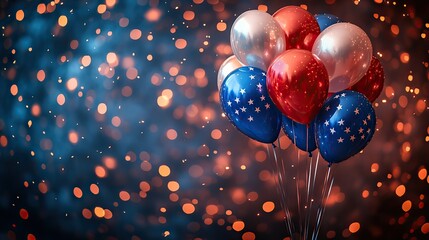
[309, 198]
[297, 180]
[324, 206]
[325, 195]
[307, 175]
[280, 190]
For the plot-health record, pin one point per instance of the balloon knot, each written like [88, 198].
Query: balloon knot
[329, 164]
[310, 154]
[274, 146]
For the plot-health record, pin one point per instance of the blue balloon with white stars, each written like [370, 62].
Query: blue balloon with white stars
[245, 100]
[301, 135]
[344, 126]
[325, 20]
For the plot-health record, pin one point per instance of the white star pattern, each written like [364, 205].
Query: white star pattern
[257, 109]
[262, 98]
[347, 130]
[368, 117]
[263, 74]
[242, 91]
[229, 103]
[364, 122]
[259, 86]
[251, 69]
[362, 137]
[252, 77]
[237, 112]
[343, 94]
[340, 140]
[237, 100]
[326, 123]
[250, 102]
[360, 130]
[356, 111]
[368, 131]
[339, 107]
[267, 106]
[341, 122]
[352, 138]
[327, 108]
[243, 109]
[332, 131]
[250, 118]
[337, 96]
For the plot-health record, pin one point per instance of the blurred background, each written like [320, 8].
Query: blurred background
[111, 127]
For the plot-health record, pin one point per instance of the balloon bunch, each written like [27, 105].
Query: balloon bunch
[284, 68]
[313, 76]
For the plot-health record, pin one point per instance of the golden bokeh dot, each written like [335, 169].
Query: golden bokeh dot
[216, 134]
[173, 186]
[135, 34]
[406, 206]
[19, 15]
[188, 15]
[86, 213]
[86, 60]
[124, 196]
[212, 209]
[99, 212]
[164, 170]
[188, 208]
[268, 206]
[77, 192]
[73, 137]
[354, 227]
[221, 26]
[71, 84]
[248, 236]
[41, 75]
[61, 99]
[94, 189]
[14, 90]
[180, 43]
[400, 190]
[425, 228]
[102, 108]
[171, 134]
[62, 21]
[238, 226]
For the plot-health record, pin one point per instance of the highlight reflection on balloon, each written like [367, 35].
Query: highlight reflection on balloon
[229, 65]
[346, 52]
[256, 39]
[300, 27]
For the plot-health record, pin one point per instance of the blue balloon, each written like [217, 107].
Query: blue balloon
[245, 100]
[325, 20]
[344, 125]
[298, 134]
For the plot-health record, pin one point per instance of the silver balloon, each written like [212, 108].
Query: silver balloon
[257, 39]
[346, 52]
[229, 65]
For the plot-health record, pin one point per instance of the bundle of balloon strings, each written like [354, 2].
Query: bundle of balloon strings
[314, 76]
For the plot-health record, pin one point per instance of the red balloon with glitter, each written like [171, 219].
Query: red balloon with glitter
[300, 27]
[298, 84]
[372, 83]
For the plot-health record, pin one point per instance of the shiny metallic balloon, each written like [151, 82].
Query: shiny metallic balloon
[346, 52]
[229, 65]
[257, 39]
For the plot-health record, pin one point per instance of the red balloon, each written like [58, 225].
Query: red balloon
[300, 27]
[298, 84]
[371, 84]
